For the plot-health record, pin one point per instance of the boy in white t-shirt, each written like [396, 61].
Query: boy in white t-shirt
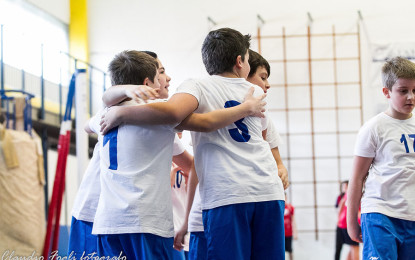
[242, 197]
[384, 168]
[134, 214]
[82, 243]
[260, 70]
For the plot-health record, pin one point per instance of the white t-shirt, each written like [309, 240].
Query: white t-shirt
[232, 167]
[195, 223]
[390, 185]
[87, 197]
[273, 137]
[135, 181]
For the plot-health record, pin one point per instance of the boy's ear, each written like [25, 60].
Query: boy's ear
[386, 92]
[239, 62]
[146, 81]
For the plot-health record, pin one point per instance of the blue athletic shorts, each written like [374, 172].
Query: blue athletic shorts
[178, 255]
[197, 246]
[386, 238]
[245, 231]
[81, 241]
[143, 246]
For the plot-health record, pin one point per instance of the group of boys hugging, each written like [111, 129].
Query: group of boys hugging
[235, 196]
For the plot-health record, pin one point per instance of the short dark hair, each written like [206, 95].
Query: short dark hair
[132, 67]
[152, 54]
[221, 48]
[397, 68]
[256, 61]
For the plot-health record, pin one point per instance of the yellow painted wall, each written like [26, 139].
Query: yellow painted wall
[78, 31]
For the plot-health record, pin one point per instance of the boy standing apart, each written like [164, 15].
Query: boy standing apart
[384, 166]
[242, 196]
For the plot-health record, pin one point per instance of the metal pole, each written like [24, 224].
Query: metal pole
[60, 94]
[360, 74]
[259, 39]
[23, 80]
[90, 91]
[74, 107]
[310, 77]
[259, 25]
[45, 148]
[2, 59]
[336, 103]
[42, 85]
[287, 114]
[45, 131]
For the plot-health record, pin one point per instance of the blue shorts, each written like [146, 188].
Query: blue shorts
[178, 255]
[387, 238]
[143, 246]
[245, 231]
[197, 246]
[81, 241]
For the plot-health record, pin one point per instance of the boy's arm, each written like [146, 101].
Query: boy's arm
[92, 125]
[87, 128]
[354, 192]
[184, 161]
[273, 138]
[138, 93]
[177, 108]
[211, 121]
[294, 225]
[191, 188]
[282, 171]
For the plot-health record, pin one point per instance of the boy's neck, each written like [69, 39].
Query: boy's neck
[235, 73]
[396, 115]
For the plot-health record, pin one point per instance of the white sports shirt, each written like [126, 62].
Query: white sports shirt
[273, 138]
[135, 181]
[195, 223]
[233, 166]
[390, 185]
[87, 197]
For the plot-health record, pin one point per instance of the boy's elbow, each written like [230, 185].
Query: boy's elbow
[107, 101]
[175, 118]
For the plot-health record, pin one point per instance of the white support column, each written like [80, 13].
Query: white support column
[80, 119]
